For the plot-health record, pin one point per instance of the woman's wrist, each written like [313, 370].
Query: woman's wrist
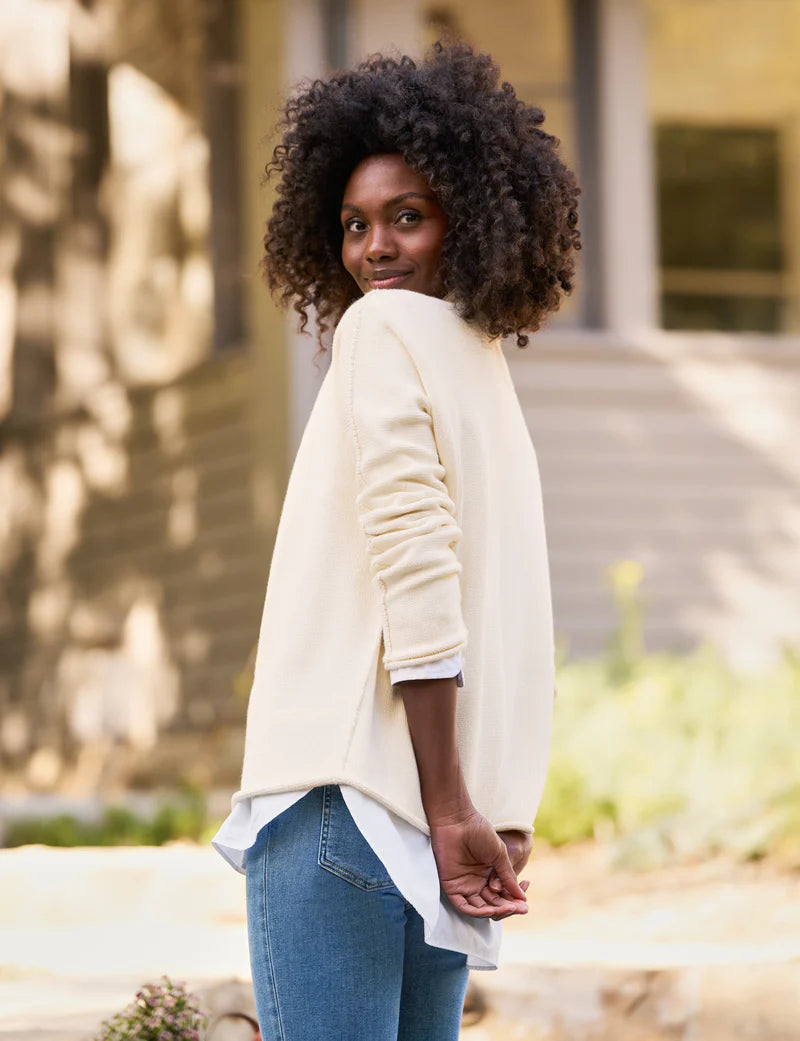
[448, 804]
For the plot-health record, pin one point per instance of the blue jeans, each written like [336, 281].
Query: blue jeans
[337, 953]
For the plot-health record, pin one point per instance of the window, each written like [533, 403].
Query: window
[724, 98]
[720, 228]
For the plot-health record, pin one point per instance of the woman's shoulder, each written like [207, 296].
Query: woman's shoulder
[402, 310]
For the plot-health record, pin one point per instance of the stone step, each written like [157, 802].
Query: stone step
[722, 1002]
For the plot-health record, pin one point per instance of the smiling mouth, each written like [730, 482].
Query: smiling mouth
[388, 279]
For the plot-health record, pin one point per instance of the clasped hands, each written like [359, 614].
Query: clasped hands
[478, 866]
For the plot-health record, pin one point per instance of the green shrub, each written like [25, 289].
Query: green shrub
[682, 743]
[181, 818]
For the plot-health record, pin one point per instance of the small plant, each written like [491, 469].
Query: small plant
[162, 1011]
[626, 647]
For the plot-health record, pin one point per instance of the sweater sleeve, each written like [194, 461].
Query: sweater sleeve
[403, 504]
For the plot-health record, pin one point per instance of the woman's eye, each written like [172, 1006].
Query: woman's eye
[354, 224]
[408, 217]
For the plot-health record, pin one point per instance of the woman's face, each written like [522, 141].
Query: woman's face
[393, 227]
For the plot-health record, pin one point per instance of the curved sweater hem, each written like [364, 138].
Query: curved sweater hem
[509, 824]
[273, 789]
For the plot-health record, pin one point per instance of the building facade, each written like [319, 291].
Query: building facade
[152, 397]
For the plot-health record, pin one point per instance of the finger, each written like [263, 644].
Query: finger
[460, 904]
[506, 905]
[497, 900]
[524, 886]
[509, 910]
[476, 908]
[495, 883]
[478, 899]
[492, 892]
[505, 873]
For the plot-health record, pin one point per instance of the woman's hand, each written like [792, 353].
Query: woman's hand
[468, 853]
[467, 849]
[519, 845]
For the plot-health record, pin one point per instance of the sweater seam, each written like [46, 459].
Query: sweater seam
[356, 717]
[359, 474]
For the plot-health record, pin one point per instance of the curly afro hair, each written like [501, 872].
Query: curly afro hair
[510, 202]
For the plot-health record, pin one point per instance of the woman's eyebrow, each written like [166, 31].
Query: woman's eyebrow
[394, 201]
[410, 195]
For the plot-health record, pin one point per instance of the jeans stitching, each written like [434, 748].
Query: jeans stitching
[323, 825]
[337, 869]
[269, 942]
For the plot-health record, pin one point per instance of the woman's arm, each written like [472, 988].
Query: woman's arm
[467, 849]
[403, 504]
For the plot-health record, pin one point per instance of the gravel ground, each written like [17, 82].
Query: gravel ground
[81, 929]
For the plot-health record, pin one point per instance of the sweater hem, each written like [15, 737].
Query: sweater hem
[510, 824]
[252, 793]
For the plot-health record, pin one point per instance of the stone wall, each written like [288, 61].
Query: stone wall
[134, 578]
[133, 551]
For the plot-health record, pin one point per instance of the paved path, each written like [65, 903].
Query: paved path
[600, 949]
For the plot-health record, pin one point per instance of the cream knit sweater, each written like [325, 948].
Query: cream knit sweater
[412, 529]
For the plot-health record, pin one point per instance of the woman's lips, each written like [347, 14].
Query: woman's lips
[388, 280]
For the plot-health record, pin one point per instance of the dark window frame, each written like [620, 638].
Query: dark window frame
[222, 113]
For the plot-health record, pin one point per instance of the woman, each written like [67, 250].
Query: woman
[399, 722]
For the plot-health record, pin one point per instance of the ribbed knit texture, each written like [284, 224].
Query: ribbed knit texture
[413, 517]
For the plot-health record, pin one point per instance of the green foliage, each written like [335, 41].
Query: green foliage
[680, 754]
[162, 1011]
[182, 818]
[567, 788]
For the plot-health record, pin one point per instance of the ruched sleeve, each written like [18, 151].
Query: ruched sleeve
[403, 504]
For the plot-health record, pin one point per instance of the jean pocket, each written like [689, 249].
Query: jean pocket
[343, 850]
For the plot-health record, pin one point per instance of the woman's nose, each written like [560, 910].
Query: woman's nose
[381, 244]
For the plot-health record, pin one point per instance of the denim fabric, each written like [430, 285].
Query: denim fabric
[337, 953]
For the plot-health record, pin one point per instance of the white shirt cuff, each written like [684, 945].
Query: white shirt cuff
[432, 670]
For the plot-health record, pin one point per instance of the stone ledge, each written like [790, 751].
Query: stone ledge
[722, 1002]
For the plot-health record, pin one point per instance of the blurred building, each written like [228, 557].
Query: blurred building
[151, 396]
